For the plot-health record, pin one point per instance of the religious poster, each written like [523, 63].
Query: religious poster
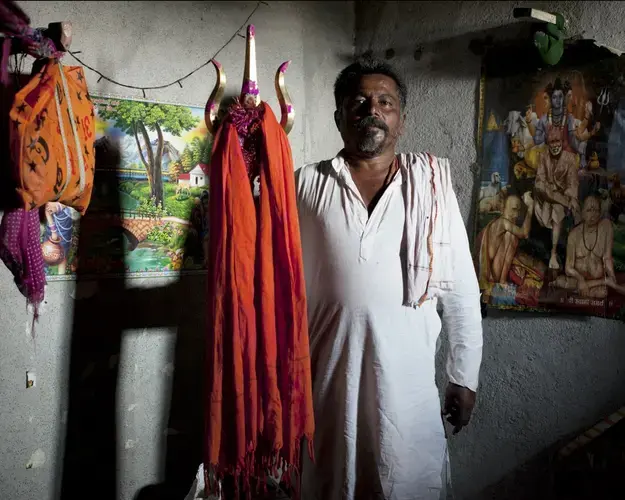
[550, 218]
[147, 213]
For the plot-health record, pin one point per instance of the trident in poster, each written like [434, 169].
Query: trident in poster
[250, 95]
[603, 99]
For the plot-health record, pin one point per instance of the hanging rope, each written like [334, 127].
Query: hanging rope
[177, 81]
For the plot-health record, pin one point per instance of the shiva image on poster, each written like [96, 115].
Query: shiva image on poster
[551, 207]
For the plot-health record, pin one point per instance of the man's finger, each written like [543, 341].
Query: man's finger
[459, 418]
[454, 417]
[449, 409]
[464, 416]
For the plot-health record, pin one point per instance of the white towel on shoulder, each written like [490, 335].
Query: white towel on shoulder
[427, 186]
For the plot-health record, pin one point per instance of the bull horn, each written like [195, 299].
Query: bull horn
[250, 95]
[212, 105]
[286, 107]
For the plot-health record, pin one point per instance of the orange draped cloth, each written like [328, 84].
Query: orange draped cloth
[259, 393]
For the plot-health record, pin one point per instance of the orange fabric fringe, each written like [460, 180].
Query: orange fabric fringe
[259, 392]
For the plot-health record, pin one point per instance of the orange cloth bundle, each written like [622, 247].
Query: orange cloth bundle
[52, 135]
[259, 401]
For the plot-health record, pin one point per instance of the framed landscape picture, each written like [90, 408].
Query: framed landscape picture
[147, 215]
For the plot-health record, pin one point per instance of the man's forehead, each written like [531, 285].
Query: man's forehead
[377, 83]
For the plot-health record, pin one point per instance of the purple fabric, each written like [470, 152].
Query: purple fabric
[4, 66]
[247, 122]
[15, 23]
[20, 250]
[20, 247]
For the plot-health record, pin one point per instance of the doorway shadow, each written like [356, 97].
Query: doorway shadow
[104, 309]
[182, 448]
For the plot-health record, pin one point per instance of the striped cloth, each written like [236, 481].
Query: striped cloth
[592, 433]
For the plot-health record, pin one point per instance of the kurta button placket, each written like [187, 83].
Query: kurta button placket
[365, 245]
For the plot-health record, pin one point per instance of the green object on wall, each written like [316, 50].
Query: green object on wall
[550, 45]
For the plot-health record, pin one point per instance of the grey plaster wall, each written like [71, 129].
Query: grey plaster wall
[543, 377]
[134, 348]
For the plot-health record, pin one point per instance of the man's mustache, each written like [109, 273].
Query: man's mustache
[371, 121]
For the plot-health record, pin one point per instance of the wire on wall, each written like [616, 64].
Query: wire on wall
[177, 81]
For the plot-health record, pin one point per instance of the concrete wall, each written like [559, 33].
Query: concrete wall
[136, 347]
[542, 377]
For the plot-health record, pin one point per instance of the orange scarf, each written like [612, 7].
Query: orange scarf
[259, 402]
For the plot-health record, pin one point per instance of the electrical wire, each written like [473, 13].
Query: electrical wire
[177, 81]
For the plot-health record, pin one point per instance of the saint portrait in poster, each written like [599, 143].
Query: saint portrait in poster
[551, 206]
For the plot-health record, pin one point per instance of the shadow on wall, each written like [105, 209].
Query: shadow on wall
[407, 35]
[104, 309]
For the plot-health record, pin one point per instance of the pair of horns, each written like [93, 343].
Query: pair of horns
[250, 95]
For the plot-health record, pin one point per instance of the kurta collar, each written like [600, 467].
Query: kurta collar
[338, 162]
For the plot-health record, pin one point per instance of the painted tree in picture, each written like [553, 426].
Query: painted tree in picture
[136, 118]
[196, 151]
[175, 169]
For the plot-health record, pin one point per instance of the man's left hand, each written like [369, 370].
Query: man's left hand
[459, 403]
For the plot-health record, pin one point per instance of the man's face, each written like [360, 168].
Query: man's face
[557, 99]
[555, 147]
[512, 210]
[591, 211]
[370, 119]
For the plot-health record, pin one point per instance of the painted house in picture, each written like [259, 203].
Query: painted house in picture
[184, 180]
[198, 177]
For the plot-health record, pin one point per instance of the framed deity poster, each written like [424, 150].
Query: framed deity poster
[550, 215]
[147, 215]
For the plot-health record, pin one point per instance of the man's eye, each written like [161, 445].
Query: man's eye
[356, 103]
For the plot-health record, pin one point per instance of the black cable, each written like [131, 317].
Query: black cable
[177, 81]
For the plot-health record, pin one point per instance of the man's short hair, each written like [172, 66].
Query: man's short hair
[350, 77]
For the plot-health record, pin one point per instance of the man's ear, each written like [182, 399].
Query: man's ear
[402, 125]
[337, 118]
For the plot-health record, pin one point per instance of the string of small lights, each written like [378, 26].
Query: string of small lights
[177, 81]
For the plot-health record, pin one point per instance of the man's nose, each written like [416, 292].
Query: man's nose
[372, 108]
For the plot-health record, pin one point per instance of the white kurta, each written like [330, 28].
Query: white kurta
[379, 432]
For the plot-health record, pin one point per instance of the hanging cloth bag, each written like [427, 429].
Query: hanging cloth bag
[51, 137]
[52, 134]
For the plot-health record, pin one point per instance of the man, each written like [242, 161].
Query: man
[500, 240]
[379, 430]
[556, 189]
[589, 263]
